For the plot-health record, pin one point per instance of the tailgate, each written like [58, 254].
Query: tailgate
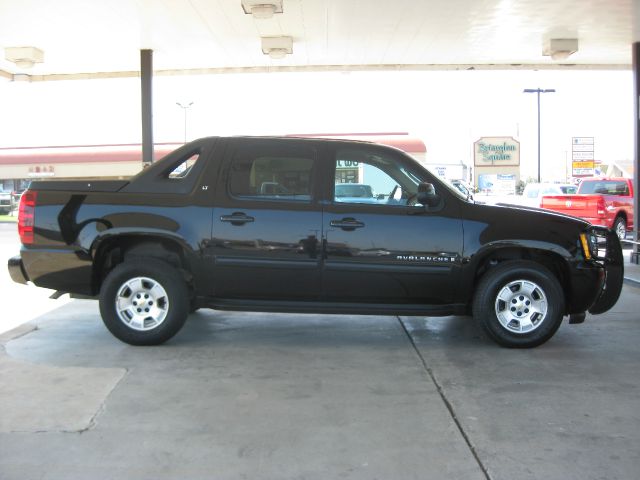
[576, 205]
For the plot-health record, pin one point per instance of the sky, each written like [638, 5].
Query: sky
[448, 110]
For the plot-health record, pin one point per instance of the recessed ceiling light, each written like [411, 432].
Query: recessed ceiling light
[277, 47]
[560, 48]
[24, 57]
[262, 9]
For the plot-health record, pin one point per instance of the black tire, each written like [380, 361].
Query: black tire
[620, 227]
[520, 304]
[139, 287]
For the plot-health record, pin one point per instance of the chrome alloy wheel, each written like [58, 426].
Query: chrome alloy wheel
[521, 306]
[142, 304]
[621, 229]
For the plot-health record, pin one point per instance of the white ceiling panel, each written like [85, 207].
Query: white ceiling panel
[97, 36]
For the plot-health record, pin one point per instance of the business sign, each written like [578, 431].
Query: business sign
[582, 156]
[452, 172]
[347, 164]
[496, 151]
[40, 171]
[588, 164]
[501, 184]
[579, 156]
[582, 148]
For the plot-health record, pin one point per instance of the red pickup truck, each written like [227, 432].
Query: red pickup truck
[601, 201]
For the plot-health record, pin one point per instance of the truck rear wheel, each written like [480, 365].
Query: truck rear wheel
[144, 302]
[519, 304]
[620, 227]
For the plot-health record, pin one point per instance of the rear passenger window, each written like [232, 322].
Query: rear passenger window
[183, 169]
[272, 172]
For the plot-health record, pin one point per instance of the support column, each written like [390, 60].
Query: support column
[635, 257]
[146, 78]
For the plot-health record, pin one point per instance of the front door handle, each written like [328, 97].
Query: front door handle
[346, 224]
[237, 218]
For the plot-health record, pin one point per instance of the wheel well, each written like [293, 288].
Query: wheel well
[115, 251]
[553, 262]
[622, 215]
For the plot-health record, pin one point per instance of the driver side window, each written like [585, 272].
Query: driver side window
[369, 178]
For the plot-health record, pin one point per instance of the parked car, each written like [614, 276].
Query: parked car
[600, 201]
[464, 188]
[5, 200]
[345, 192]
[156, 246]
[533, 192]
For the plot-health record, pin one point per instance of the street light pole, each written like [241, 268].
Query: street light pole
[538, 91]
[184, 108]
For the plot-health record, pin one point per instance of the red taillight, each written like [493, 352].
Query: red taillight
[602, 207]
[26, 217]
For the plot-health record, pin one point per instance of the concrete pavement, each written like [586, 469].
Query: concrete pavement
[20, 303]
[270, 396]
[235, 396]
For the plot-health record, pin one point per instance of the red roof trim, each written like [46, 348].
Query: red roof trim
[132, 152]
[80, 154]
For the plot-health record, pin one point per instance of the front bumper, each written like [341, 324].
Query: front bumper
[613, 263]
[16, 270]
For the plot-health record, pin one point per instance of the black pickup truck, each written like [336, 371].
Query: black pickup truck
[257, 224]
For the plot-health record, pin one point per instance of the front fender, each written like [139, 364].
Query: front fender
[613, 263]
[491, 248]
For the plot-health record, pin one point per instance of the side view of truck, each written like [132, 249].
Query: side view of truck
[601, 201]
[266, 224]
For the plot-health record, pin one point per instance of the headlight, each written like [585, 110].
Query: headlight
[593, 245]
[589, 243]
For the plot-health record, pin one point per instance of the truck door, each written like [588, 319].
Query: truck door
[381, 246]
[267, 221]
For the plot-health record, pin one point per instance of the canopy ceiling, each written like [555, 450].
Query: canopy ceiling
[94, 38]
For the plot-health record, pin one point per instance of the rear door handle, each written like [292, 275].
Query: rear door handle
[346, 224]
[237, 218]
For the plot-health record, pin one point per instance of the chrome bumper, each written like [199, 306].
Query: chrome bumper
[16, 270]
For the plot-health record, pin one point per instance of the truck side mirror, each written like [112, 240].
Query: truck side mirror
[427, 195]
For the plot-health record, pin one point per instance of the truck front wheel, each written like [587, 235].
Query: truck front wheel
[144, 302]
[519, 304]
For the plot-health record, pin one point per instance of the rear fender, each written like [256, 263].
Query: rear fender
[160, 244]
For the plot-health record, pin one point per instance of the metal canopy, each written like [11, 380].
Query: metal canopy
[95, 38]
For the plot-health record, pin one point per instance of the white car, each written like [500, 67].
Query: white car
[533, 192]
[5, 201]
